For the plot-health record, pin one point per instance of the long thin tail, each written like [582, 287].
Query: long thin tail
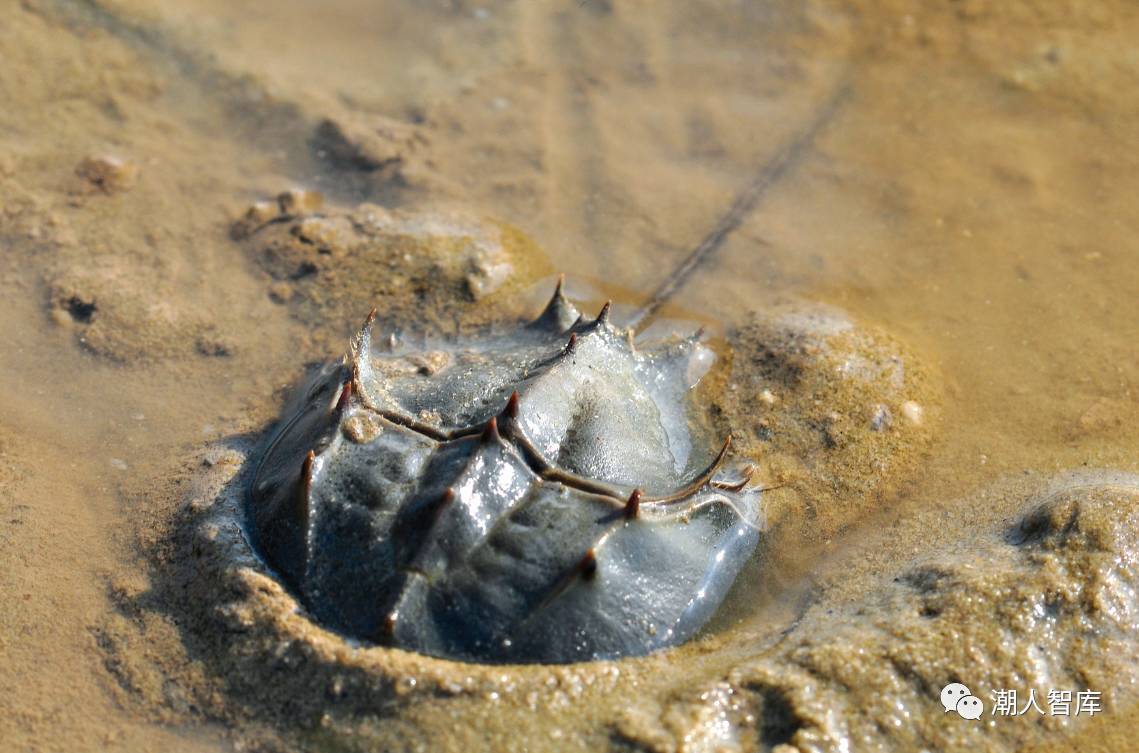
[786, 159]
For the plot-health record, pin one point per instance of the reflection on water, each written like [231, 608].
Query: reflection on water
[973, 197]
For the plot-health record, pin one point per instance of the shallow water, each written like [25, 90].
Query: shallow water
[973, 197]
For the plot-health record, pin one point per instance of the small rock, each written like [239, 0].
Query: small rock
[300, 201]
[430, 363]
[60, 317]
[257, 216]
[362, 427]
[281, 292]
[379, 144]
[913, 412]
[107, 173]
[487, 278]
[330, 235]
[881, 419]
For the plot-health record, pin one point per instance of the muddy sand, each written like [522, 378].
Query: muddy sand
[925, 338]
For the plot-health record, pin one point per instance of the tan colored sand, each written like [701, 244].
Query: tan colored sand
[974, 200]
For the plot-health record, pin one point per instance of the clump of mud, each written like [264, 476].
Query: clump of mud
[435, 270]
[372, 145]
[108, 173]
[839, 413]
[1045, 603]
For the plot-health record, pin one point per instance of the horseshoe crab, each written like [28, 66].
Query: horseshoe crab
[537, 495]
[540, 495]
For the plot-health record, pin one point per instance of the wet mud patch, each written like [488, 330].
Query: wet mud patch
[840, 414]
[1046, 601]
[424, 270]
[130, 315]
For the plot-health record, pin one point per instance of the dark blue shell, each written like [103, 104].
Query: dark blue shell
[537, 496]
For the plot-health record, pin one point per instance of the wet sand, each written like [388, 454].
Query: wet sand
[972, 199]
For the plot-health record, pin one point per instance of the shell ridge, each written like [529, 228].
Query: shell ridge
[459, 548]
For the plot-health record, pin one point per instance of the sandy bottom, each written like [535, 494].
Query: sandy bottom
[195, 201]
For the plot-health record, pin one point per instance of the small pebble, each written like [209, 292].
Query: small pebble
[118, 464]
[431, 362]
[258, 214]
[881, 419]
[280, 292]
[486, 278]
[912, 412]
[300, 201]
[767, 397]
[107, 173]
[362, 428]
[61, 318]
